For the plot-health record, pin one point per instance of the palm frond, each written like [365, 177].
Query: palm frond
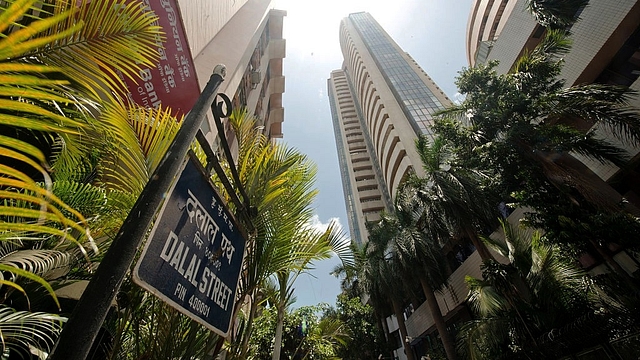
[93, 37]
[561, 138]
[149, 327]
[136, 140]
[49, 264]
[30, 276]
[601, 104]
[22, 330]
[475, 345]
[332, 331]
[483, 298]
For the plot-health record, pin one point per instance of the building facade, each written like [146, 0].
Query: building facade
[245, 36]
[381, 101]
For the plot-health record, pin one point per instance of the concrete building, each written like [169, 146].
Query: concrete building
[246, 36]
[381, 101]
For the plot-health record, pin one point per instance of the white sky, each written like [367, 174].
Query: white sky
[433, 32]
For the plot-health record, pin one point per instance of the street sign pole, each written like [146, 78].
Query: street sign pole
[81, 329]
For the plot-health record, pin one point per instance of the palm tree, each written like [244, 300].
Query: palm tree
[309, 244]
[518, 302]
[305, 335]
[415, 255]
[523, 128]
[58, 61]
[148, 328]
[361, 281]
[278, 181]
[349, 273]
[450, 198]
[328, 333]
[380, 279]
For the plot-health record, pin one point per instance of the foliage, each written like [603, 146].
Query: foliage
[377, 279]
[518, 302]
[450, 200]
[348, 273]
[411, 255]
[523, 128]
[555, 13]
[26, 332]
[281, 243]
[309, 244]
[305, 335]
[360, 322]
[148, 328]
[59, 65]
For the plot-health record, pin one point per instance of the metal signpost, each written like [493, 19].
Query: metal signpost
[193, 257]
[81, 329]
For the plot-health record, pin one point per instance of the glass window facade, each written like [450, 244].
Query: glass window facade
[416, 100]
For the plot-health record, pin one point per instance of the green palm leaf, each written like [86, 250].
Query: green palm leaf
[60, 61]
[136, 140]
[22, 330]
[88, 38]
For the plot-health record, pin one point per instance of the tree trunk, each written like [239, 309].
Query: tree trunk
[244, 348]
[277, 345]
[613, 264]
[382, 326]
[483, 251]
[397, 309]
[438, 319]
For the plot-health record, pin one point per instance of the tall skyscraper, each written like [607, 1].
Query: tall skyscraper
[381, 100]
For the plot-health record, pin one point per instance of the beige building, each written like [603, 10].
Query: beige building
[245, 36]
[381, 101]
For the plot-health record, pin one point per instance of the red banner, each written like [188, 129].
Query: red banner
[172, 82]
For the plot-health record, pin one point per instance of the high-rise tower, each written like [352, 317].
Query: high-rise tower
[381, 101]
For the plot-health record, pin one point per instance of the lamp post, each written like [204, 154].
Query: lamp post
[81, 329]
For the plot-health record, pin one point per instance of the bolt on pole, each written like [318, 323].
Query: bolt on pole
[85, 322]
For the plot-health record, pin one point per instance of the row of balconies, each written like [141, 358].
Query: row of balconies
[456, 291]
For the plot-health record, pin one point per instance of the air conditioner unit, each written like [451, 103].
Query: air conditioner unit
[255, 78]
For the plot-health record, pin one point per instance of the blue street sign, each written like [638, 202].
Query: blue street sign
[194, 254]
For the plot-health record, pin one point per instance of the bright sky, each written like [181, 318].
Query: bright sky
[433, 32]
